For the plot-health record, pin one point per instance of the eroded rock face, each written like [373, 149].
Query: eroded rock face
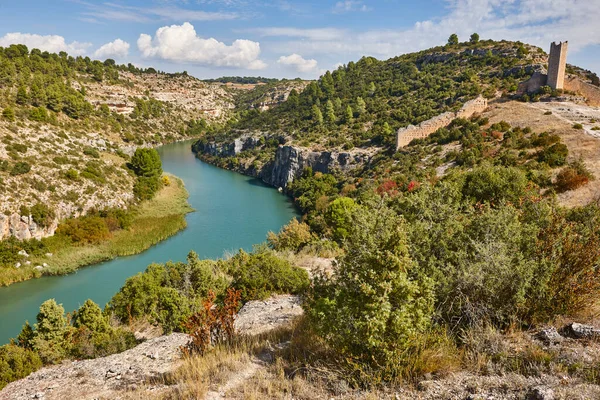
[290, 162]
[24, 227]
[103, 377]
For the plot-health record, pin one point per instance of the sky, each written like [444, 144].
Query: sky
[288, 38]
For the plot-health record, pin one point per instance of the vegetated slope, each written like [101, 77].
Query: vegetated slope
[364, 103]
[69, 124]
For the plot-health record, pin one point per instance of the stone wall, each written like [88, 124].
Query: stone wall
[587, 90]
[426, 128]
[24, 228]
[557, 65]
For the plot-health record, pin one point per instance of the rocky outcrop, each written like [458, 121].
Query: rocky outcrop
[103, 377]
[290, 162]
[258, 317]
[24, 227]
[227, 149]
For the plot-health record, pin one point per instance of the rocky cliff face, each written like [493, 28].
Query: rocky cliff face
[289, 161]
[24, 227]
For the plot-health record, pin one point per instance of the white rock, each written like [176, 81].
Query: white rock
[49, 254]
[39, 267]
[23, 253]
[18, 265]
[45, 265]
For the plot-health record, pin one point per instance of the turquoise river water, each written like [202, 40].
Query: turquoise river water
[232, 212]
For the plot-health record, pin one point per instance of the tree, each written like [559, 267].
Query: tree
[90, 316]
[453, 39]
[16, 363]
[22, 96]
[146, 162]
[51, 322]
[317, 116]
[349, 115]
[474, 38]
[339, 216]
[361, 106]
[330, 112]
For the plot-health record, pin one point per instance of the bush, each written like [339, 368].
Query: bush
[293, 236]
[84, 230]
[375, 304]
[555, 155]
[16, 363]
[165, 293]
[261, 274]
[146, 187]
[20, 168]
[572, 177]
[42, 214]
[495, 184]
[577, 126]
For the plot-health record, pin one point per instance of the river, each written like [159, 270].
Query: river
[232, 212]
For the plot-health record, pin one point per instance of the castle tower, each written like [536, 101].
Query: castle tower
[557, 64]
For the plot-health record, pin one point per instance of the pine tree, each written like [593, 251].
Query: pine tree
[349, 116]
[317, 115]
[22, 96]
[361, 106]
[330, 112]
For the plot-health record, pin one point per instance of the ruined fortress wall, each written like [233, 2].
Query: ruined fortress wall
[557, 64]
[589, 91]
[405, 135]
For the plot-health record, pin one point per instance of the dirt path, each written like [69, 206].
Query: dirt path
[236, 380]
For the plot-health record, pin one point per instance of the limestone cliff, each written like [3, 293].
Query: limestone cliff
[288, 163]
[24, 227]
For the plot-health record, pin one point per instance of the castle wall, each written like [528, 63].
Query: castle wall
[589, 91]
[405, 135]
[557, 64]
[533, 84]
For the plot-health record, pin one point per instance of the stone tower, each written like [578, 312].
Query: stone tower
[557, 64]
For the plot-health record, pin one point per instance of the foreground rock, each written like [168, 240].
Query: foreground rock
[143, 367]
[103, 377]
[257, 317]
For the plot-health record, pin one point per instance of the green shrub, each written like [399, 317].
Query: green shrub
[261, 273]
[146, 187]
[165, 294]
[16, 363]
[293, 236]
[92, 152]
[9, 114]
[42, 214]
[577, 126]
[555, 155]
[495, 184]
[376, 302]
[20, 168]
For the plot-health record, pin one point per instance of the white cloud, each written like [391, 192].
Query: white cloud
[350, 6]
[180, 43]
[298, 63]
[116, 49]
[312, 34]
[538, 22]
[119, 12]
[50, 43]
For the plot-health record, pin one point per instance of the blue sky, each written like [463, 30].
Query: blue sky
[285, 38]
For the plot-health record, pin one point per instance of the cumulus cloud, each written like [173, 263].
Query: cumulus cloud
[350, 6]
[538, 22]
[180, 43]
[116, 49]
[50, 43]
[298, 63]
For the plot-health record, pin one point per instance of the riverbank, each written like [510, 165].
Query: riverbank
[154, 221]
